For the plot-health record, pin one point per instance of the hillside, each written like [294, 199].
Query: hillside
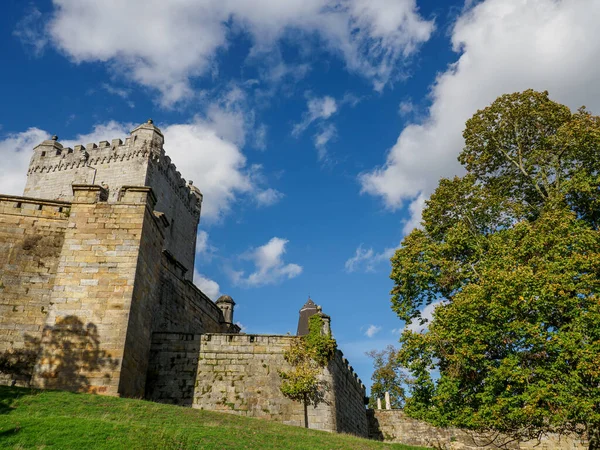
[63, 420]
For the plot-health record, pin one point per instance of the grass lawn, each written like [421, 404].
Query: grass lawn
[64, 420]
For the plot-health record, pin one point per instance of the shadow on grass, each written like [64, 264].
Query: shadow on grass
[8, 395]
[9, 433]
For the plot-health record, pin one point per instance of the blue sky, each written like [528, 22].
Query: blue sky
[316, 129]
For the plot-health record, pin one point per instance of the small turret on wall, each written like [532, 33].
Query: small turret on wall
[226, 304]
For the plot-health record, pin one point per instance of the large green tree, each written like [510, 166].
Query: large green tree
[510, 252]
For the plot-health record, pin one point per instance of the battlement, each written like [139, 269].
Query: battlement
[26, 206]
[349, 370]
[145, 144]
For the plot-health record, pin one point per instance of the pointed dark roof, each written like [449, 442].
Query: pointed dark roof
[309, 309]
[309, 305]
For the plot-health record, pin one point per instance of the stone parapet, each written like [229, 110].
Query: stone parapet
[394, 426]
[238, 373]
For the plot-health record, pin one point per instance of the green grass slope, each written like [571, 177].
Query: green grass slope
[64, 420]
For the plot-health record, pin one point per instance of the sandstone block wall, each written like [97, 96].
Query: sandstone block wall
[395, 426]
[93, 307]
[145, 293]
[31, 237]
[238, 374]
[349, 397]
[173, 368]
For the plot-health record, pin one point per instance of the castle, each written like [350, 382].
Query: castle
[96, 295]
[96, 292]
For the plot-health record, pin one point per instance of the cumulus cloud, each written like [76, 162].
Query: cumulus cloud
[372, 330]
[319, 108]
[426, 316]
[164, 44]
[30, 31]
[15, 151]
[322, 138]
[367, 259]
[269, 267]
[210, 287]
[268, 197]
[503, 46]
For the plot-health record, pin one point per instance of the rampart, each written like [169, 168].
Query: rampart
[394, 426]
[239, 374]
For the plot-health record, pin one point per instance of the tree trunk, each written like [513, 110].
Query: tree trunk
[594, 436]
[306, 412]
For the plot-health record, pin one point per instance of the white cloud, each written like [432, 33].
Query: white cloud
[260, 137]
[504, 46]
[30, 31]
[164, 44]
[406, 108]
[367, 259]
[120, 92]
[426, 316]
[322, 138]
[372, 330]
[16, 152]
[319, 108]
[214, 164]
[210, 287]
[269, 267]
[268, 197]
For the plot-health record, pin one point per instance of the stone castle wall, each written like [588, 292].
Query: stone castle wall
[99, 297]
[31, 238]
[239, 374]
[349, 397]
[394, 426]
[173, 368]
[86, 283]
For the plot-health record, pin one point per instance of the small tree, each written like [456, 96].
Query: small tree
[307, 355]
[388, 376]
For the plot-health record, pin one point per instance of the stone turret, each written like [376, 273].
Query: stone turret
[226, 303]
[147, 134]
[326, 329]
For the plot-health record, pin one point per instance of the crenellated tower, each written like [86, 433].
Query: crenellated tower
[139, 161]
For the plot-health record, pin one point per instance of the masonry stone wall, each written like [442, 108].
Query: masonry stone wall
[93, 299]
[395, 426]
[349, 397]
[31, 237]
[173, 368]
[239, 374]
[182, 307]
[145, 294]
